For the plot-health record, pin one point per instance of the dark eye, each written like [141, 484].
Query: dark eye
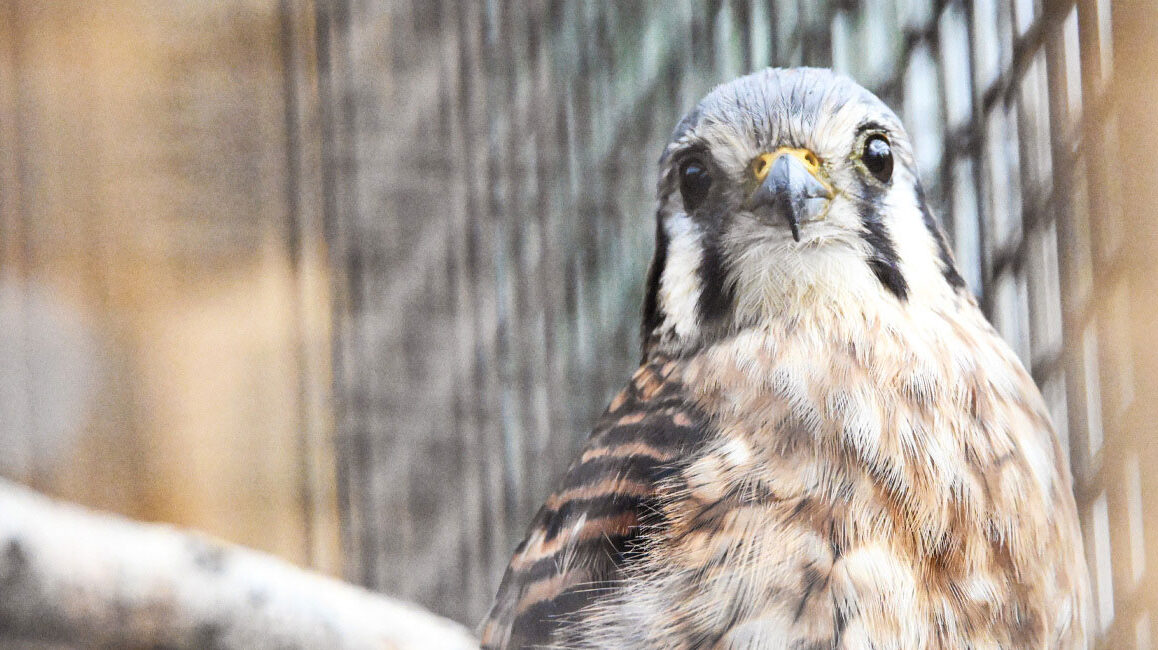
[878, 157]
[694, 182]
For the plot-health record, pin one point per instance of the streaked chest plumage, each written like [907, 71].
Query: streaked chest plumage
[889, 485]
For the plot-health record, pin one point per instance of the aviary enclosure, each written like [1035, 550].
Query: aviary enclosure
[349, 281]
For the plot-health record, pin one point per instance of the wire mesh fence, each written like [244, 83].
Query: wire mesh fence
[493, 214]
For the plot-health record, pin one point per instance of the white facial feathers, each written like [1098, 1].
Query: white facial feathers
[679, 285]
[725, 267]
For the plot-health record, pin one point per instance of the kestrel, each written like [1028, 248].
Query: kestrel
[827, 445]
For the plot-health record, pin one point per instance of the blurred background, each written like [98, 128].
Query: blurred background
[350, 281]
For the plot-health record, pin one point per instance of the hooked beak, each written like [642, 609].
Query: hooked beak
[788, 186]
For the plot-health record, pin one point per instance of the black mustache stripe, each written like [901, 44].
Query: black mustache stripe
[717, 292]
[883, 261]
[652, 311]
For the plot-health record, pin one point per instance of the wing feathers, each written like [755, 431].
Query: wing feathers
[588, 529]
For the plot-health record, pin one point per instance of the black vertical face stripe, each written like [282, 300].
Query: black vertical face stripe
[884, 261]
[948, 267]
[717, 294]
[652, 314]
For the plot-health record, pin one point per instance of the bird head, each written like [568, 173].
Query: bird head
[786, 191]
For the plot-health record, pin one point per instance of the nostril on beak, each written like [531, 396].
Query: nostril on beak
[761, 167]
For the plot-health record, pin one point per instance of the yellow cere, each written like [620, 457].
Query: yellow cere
[760, 166]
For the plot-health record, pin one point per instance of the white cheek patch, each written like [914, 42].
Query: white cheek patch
[680, 286]
[916, 249]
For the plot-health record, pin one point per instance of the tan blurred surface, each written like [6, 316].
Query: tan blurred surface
[1125, 308]
[151, 214]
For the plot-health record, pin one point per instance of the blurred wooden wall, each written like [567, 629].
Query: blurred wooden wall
[1120, 485]
[164, 293]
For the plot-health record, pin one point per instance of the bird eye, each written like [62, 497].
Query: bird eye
[694, 182]
[878, 157]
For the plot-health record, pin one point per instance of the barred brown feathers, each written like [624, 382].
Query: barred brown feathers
[587, 530]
